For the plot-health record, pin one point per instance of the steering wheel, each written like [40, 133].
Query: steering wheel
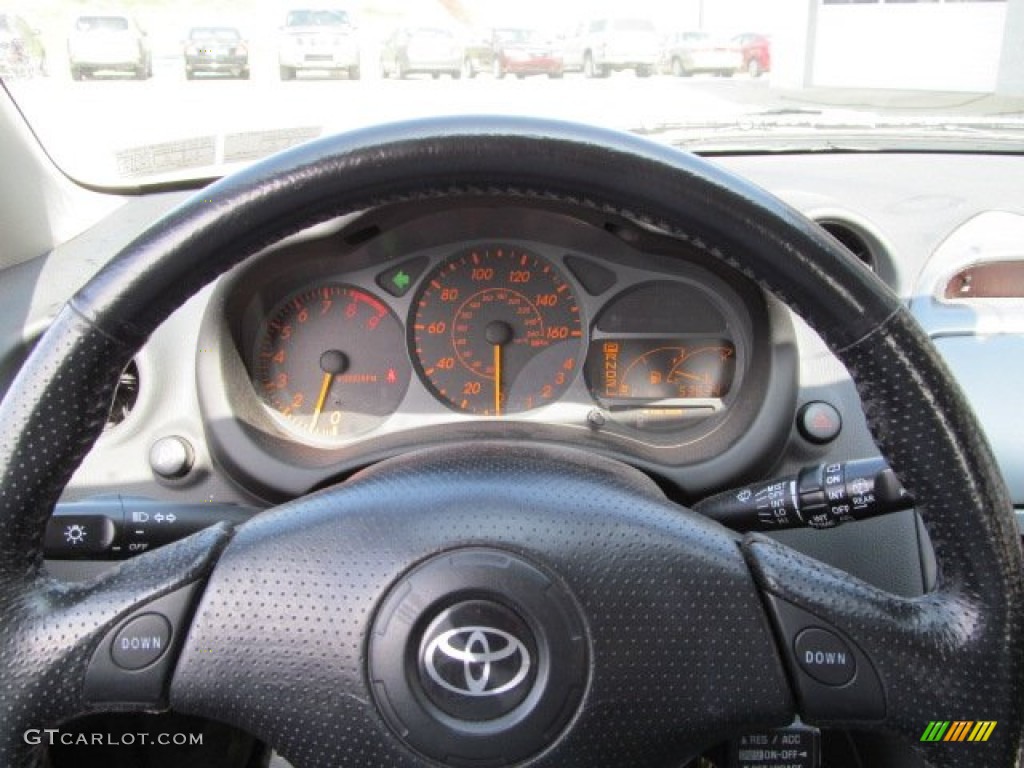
[496, 603]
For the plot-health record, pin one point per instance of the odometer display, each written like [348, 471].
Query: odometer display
[496, 330]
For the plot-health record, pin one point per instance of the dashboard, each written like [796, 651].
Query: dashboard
[406, 325]
[919, 220]
[410, 326]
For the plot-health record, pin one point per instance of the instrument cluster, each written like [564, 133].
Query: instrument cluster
[409, 328]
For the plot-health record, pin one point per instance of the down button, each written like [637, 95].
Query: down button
[824, 656]
[141, 641]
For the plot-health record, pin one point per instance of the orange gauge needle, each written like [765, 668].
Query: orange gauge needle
[685, 375]
[498, 334]
[332, 362]
[325, 386]
[497, 379]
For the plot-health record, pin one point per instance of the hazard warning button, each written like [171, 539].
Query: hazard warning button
[819, 422]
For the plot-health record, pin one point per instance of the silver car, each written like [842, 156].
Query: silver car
[321, 40]
[690, 53]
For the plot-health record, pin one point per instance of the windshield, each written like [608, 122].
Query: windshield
[101, 24]
[429, 32]
[316, 18]
[214, 34]
[518, 36]
[633, 25]
[139, 107]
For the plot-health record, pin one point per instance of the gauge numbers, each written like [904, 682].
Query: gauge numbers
[330, 362]
[496, 330]
[631, 369]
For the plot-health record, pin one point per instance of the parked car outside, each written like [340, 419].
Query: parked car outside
[108, 43]
[522, 52]
[756, 50]
[220, 50]
[22, 53]
[319, 39]
[690, 53]
[601, 46]
[422, 50]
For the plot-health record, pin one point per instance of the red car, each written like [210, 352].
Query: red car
[523, 52]
[757, 52]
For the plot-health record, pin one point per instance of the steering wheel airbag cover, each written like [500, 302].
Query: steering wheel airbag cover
[658, 588]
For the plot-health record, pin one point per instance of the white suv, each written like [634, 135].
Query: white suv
[108, 43]
[318, 39]
[603, 45]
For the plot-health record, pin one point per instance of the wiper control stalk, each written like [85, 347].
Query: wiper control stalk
[821, 496]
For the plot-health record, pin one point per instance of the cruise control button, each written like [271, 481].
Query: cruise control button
[824, 656]
[141, 641]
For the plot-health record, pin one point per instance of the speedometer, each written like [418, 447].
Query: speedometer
[496, 330]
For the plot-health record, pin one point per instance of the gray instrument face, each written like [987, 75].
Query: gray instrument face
[330, 363]
[495, 330]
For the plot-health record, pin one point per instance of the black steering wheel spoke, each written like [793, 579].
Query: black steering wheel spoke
[103, 645]
[859, 656]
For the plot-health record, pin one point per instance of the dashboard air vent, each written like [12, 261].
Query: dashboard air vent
[853, 239]
[125, 395]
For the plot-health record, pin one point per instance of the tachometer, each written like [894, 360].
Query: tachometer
[330, 361]
[496, 330]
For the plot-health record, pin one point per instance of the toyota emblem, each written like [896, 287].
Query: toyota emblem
[477, 661]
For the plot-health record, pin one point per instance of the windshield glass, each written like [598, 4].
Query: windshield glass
[633, 25]
[316, 18]
[429, 32]
[517, 36]
[214, 34]
[123, 100]
[101, 24]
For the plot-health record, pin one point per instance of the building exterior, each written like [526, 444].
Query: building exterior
[972, 46]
